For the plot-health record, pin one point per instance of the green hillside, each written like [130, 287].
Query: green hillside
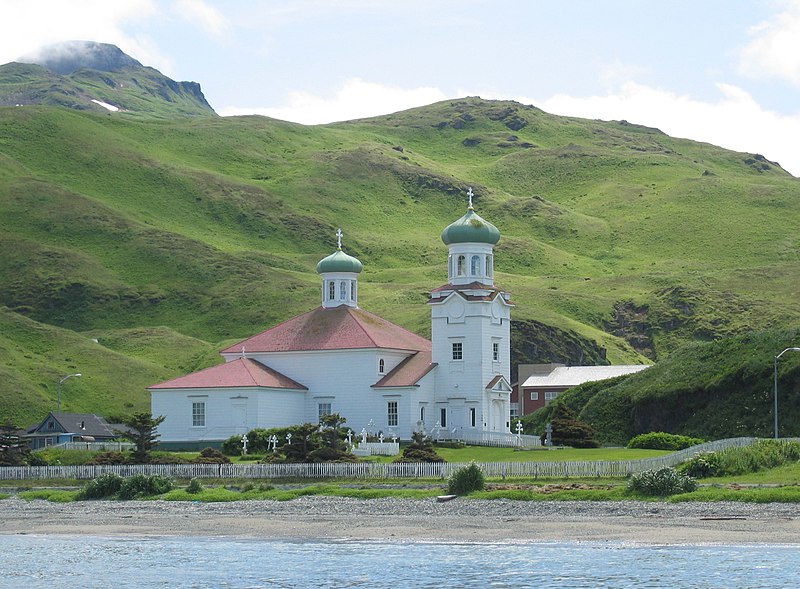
[712, 390]
[164, 237]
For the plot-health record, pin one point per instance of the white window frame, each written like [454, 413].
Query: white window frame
[473, 415]
[550, 396]
[381, 366]
[495, 351]
[323, 409]
[475, 265]
[392, 413]
[534, 395]
[198, 413]
[457, 351]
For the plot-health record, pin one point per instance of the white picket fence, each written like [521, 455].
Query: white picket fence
[496, 439]
[371, 470]
[97, 446]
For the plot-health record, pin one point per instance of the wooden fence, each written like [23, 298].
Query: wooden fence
[371, 470]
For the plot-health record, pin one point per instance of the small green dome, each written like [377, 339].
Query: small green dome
[339, 261]
[470, 228]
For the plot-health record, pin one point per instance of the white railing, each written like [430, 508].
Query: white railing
[497, 439]
[96, 446]
[379, 448]
[372, 470]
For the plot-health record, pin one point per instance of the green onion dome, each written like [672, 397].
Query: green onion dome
[470, 228]
[339, 261]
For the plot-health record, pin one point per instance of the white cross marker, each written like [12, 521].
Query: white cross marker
[339, 236]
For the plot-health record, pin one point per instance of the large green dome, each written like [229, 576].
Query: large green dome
[470, 228]
[339, 261]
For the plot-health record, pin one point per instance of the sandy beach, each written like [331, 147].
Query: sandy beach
[460, 520]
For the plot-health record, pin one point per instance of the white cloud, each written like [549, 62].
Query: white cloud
[353, 100]
[775, 48]
[735, 121]
[27, 25]
[203, 14]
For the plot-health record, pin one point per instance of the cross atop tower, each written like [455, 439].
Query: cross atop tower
[339, 235]
[470, 194]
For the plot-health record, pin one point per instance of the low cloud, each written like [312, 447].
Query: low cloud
[355, 99]
[775, 49]
[202, 14]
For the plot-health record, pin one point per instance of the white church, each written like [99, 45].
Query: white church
[339, 358]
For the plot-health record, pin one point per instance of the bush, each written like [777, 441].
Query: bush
[663, 441]
[420, 450]
[211, 456]
[108, 458]
[762, 455]
[106, 485]
[466, 479]
[661, 482]
[140, 485]
[701, 465]
[194, 487]
[37, 459]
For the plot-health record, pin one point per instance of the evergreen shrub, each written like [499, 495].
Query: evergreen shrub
[106, 485]
[211, 456]
[663, 441]
[466, 479]
[661, 482]
[140, 485]
[194, 486]
[701, 465]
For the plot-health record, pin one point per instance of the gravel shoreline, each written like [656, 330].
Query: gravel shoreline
[460, 520]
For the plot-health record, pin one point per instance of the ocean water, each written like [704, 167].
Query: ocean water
[33, 562]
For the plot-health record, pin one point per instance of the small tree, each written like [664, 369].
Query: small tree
[13, 451]
[142, 430]
[420, 450]
[332, 432]
[569, 431]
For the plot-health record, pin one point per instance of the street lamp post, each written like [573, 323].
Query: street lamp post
[59, 388]
[775, 389]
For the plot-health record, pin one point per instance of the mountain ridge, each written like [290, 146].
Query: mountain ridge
[619, 243]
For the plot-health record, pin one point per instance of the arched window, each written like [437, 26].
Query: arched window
[331, 291]
[475, 266]
[422, 415]
[342, 290]
[450, 265]
[461, 261]
[381, 366]
[489, 269]
[352, 290]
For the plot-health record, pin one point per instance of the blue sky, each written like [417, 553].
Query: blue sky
[724, 72]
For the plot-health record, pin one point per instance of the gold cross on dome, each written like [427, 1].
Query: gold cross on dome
[470, 193]
[339, 235]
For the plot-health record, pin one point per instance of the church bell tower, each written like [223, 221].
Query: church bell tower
[471, 331]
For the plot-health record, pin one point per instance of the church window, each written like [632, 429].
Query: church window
[495, 351]
[443, 417]
[381, 366]
[475, 266]
[331, 291]
[323, 409]
[422, 415]
[198, 414]
[450, 265]
[352, 290]
[489, 269]
[391, 414]
[472, 416]
[461, 261]
[342, 290]
[458, 351]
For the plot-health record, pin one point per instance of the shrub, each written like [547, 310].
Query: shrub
[663, 441]
[140, 485]
[701, 465]
[466, 479]
[37, 459]
[762, 455]
[661, 482]
[108, 458]
[211, 456]
[106, 485]
[194, 486]
[420, 450]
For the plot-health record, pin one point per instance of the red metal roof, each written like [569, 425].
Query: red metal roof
[243, 372]
[409, 372]
[339, 328]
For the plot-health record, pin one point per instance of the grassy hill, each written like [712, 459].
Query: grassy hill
[712, 390]
[162, 238]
